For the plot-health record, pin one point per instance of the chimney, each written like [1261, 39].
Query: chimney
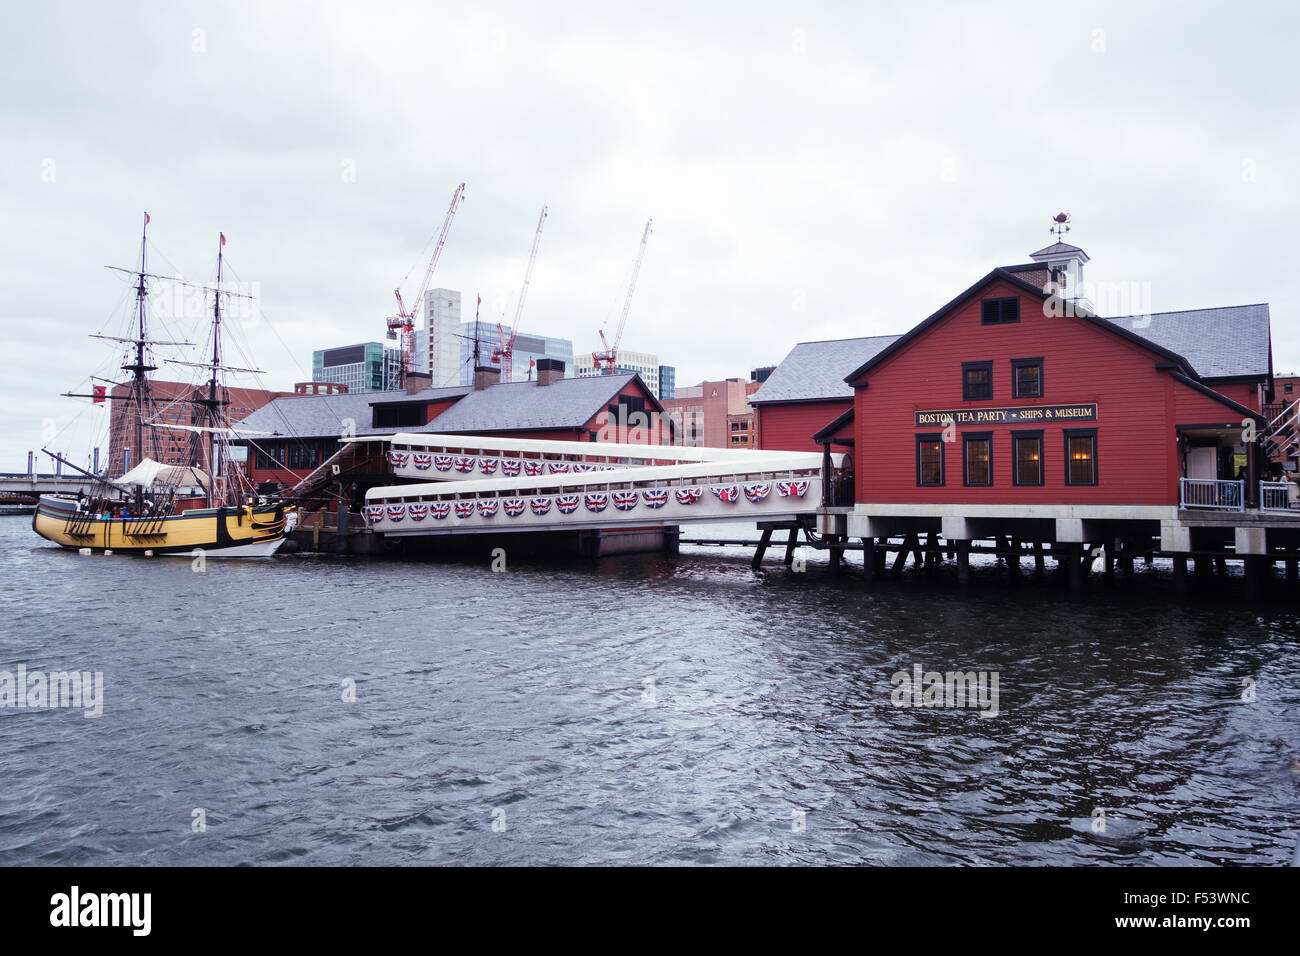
[485, 376]
[418, 382]
[549, 370]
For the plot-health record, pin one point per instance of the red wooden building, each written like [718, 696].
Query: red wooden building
[1010, 395]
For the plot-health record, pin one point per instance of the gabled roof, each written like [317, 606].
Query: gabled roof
[1230, 342]
[565, 403]
[327, 416]
[816, 370]
[1016, 279]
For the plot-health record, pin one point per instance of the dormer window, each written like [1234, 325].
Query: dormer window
[1000, 311]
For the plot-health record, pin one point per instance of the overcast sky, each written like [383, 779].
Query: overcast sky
[814, 171]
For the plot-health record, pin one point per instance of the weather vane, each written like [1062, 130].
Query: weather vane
[1061, 219]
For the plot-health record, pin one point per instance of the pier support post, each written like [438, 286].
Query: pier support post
[837, 554]
[881, 555]
[790, 544]
[1291, 575]
[909, 545]
[868, 560]
[1108, 561]
[1013, 557]
[1072, 555]
[932, 556]
[341, 535]
[757, 561]
[1180, 574]
[963, 561]
[1255, 568]
[1040, 563]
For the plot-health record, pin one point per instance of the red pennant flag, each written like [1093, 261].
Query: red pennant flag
[146, 219]
[98, 391]
[223, 238]
[532, 363]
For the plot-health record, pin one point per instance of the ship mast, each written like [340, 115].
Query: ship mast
[139, 394]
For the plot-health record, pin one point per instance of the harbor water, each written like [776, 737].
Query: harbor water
[653, 709]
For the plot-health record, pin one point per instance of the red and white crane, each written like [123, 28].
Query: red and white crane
[606, 361]
[403, 323]
[503, 354]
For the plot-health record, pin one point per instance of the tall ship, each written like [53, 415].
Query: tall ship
[206, 505]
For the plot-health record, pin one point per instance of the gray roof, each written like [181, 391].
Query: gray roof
[1219, 343]
[327, 416]
[1057, 248]
[816, 370]
[565, 403]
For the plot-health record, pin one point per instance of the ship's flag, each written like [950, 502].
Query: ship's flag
[146, 219]
[99, 392]
[223, 238]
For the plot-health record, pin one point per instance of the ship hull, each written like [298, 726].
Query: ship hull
[247, 531]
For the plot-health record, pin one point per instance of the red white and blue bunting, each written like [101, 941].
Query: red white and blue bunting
[558, 467]
[596, 501]
[757, 491]
[540, 506]
[796, 488]
[464, 463]
[399, 458]
[464, 509]
[442, 462]
[729, 494]
[421, 460]
[487, 507]
[533, 468]
[374, 513]
[417, 511]
[488, 465]
[513, 507]
[510, 467]
[440, 509]
[396, 512]
[624, 500]
[688, 496]
[566, 504]
[655, 497]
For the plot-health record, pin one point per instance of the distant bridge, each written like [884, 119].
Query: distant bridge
[26, 489]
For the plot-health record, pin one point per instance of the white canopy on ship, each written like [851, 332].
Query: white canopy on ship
[150, 472]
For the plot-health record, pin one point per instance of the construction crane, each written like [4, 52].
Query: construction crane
[503, 354]
[403, 323]
[606, 361]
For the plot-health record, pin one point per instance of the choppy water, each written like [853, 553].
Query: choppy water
[643, 709]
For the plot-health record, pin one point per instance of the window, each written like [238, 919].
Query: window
[395, 415]
[302, 455]
[1000, 311]
[976, 381]
[977, 458]
[1027, 378]
[1027, 453]
[929, 460]
[1080, 456]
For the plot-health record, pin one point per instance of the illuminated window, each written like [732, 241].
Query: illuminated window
[1027, 451]
[929, 460]
[1080, 456]
[977, 460]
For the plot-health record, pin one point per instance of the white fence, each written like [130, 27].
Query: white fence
[1276, 496]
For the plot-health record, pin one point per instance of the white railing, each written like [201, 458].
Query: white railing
[1210, 493]
[1276, 496]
